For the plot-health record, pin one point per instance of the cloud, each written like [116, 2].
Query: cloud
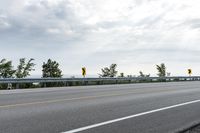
[95, 33]
[4, 24]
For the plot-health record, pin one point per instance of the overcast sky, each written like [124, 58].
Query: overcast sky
[135, 34]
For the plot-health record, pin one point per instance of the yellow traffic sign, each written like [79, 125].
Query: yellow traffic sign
[189, 71]
[84, 71]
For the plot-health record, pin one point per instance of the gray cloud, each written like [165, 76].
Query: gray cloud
[94, 33]
[193, 23]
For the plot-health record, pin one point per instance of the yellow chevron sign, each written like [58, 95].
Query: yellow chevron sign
[189, 71]
[84, 71]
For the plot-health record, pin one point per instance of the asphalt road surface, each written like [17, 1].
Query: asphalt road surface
[130, 108]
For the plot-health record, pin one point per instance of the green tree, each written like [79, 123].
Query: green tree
[6, 69]
[51, 69]
[105, 72]
[161, 70]
[109, 71]
[130, 76]
[143, 75]
[24, 68]
[113, 71]
[121, 75]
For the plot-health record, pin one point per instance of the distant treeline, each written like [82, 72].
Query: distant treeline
[50, 69]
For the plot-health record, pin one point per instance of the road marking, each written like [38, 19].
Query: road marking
[79, 98]
[128, 117]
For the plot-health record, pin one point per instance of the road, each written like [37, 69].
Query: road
[138, 108]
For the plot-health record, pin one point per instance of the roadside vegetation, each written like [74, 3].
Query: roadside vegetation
[161, 70]
[109, 71]
[51, 69]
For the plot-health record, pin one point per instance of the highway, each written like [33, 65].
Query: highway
[129, 108]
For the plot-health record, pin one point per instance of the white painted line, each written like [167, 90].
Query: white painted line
[128, 117]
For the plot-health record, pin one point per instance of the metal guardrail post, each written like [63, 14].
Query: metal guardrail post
[45, 84]
[9, 87]
[17, 86]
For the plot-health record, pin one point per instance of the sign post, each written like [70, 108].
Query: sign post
[84, 71]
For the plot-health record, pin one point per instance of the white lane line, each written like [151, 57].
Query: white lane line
[128, 117]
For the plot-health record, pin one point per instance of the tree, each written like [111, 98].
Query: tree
[121, 75]
[6, 69]
[24, 69]
[51, 69]
[130, 76]
[113, 71]
[109, 72]
[143, 75]
[161, 70]
[105, 72]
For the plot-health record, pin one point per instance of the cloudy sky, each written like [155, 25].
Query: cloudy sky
[135, 34]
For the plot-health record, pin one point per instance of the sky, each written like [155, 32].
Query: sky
[134, 34]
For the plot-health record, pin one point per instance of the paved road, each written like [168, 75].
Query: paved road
[138, 108]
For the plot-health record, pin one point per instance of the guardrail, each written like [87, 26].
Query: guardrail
[46, 80]
[87, 80]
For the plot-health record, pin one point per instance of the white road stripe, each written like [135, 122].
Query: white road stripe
[128, 117]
